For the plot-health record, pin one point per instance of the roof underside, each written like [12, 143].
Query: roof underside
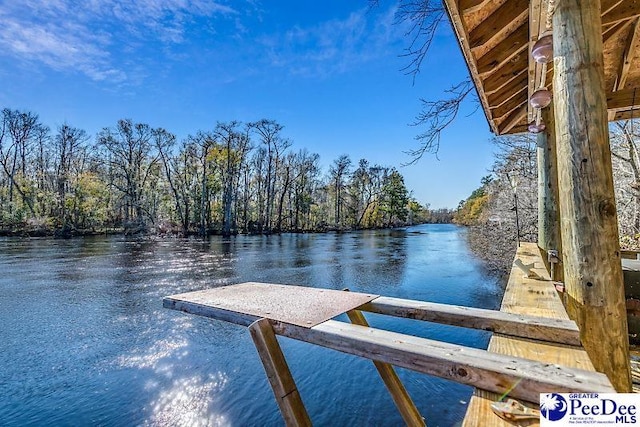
[496, 38]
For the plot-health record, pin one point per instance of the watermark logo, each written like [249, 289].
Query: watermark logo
[569, 409]
[553, 406]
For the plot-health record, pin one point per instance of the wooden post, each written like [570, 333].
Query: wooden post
[591, 252]
[548, 203]
[403, 401]
[282, 383]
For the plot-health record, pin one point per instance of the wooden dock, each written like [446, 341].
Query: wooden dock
[535, 348]
[532, 297]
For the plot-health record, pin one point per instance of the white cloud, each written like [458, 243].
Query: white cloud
[85, 37]
[334, 46]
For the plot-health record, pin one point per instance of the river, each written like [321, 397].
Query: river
[85, 340]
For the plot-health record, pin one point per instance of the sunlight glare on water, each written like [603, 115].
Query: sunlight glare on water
[87, 342]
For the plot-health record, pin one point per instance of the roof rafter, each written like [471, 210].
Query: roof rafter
[626, 10]
[511, 46]
[513, 12]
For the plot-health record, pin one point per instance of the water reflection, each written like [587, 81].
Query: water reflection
[86, 340]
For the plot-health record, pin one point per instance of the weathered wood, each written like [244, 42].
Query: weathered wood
[531, 297]
[515, 11]
[548, 196]
[591, 253]
[524, 378]
[282, 383]
[470, 5]
[401, 398]
[519, 325]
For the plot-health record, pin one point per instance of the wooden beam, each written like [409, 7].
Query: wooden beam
[627, 57]
[607, 5]
[505, 74]
[591, 251]
[548, 195]
[626, 10]
[282, 383]
[405, 405]
[509, 91]
[533, 327]
[626, 99]
[614, 30]
[451, 7]
[519, 99]
[507, 14]
[512, 120]
[521, 378]
[513, 45]
[466, 6]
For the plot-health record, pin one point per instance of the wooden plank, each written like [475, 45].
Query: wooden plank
[626, 99]
[627, 57]
[505, 74]
[520, 325]
[626, 10]
[282, 383]
[510, 12]
[399, 394]
[467, 6]
[513, 45]
[513, 120]
[526, 296]
[451, 6]
[590, 246]
[519, 99]
[522, 378]
[509, 90]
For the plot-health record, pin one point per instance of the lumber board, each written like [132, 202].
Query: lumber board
[510, 12]
[282, 383]
[532, 297]
[522, 325]
[524, 379]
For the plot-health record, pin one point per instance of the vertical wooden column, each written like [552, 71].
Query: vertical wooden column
[282, 383]
[590, 246]
[548, 199]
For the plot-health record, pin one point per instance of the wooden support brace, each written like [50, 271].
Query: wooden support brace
[403, 401]
[282, 383]
[533, 327]
[522, 378]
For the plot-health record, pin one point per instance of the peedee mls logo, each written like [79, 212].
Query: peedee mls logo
[563, 409]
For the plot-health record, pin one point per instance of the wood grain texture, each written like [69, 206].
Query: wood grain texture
[548, 195]
[535, 327]
[591, 252]
[282, 383]
[532, 297]
[525, 379]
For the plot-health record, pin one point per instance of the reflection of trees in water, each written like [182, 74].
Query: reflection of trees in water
[370, 260]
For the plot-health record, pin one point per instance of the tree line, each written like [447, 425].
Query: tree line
[491, 209]
[236, 178]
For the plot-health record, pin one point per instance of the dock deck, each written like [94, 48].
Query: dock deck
[535, 347]
[535, 298]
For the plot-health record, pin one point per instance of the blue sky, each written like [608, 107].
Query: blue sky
[329, 71]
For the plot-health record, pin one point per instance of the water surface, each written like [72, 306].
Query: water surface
[85, 340]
